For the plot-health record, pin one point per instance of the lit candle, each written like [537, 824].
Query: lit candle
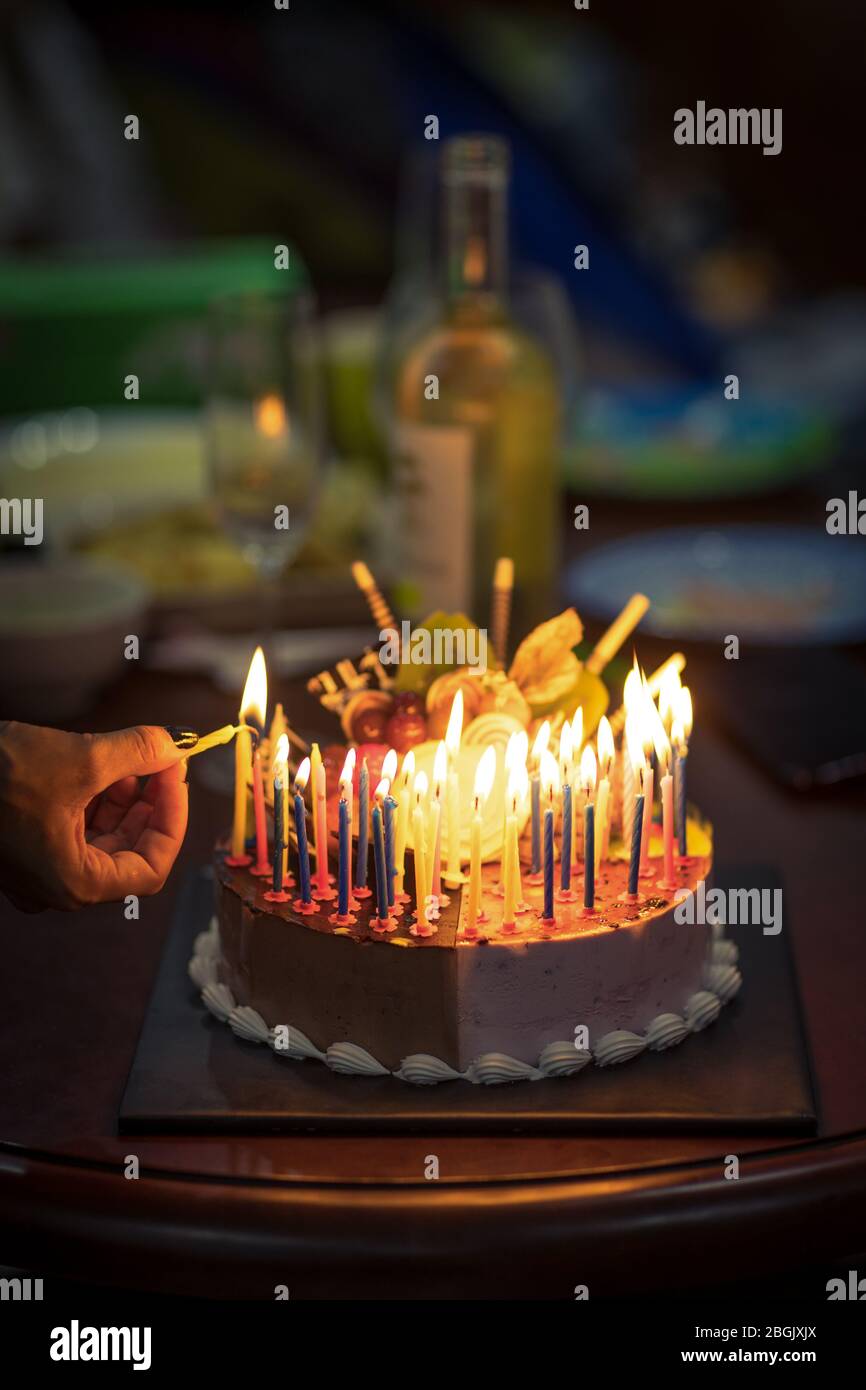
[277, 729]
[669, 689]
[382, 922]
[305, 902]
[549, 780]
[663, 754]
[484, 775]
[565, 894]
[510, 863]
[253, 702]
[539, 747]
[453, 874]
[587, 781]
[520, 780]
[418, 831]
[389, 770]
[407, 772]
[634, 751]
[281, 777]
[681, 731]
[576, 790]
[648, 714]
[361, 889]
[323, 890]
[315, 764]
[632, 695]
[261, 867]
[602, 805]
[440, 772]
[347, 795]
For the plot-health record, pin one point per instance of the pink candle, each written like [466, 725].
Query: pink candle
[323, 886]
[646, 831]
[667, 789]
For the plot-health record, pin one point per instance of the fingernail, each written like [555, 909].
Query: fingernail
[182, 738]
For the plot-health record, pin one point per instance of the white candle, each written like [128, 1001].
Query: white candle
[403, 794]
[418, 846]
[602, 804]
[452, 745]
[484, 775]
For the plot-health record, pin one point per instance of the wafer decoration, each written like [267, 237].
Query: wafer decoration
[620, 629]
[382, 615]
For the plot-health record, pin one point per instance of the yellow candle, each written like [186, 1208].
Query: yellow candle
[484, 775]
[253, 705]
[403, 795]
[452, 744]
[418, 830]
[315, 764]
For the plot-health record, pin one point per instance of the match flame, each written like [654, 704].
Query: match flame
[389, 765]
[440, 767]
[408, 771]
[254, 701]
[549, 774]
[484, 775]
[588, 770]
[455, 725]
[605, 745]
[420, 787]
[302, 776]
[542, 738]
[269, 415]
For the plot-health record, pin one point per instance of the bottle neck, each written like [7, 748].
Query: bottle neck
[476, 238]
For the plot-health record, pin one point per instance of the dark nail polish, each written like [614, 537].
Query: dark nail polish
[182, 738]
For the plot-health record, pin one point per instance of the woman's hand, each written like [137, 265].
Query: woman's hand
[76, 824]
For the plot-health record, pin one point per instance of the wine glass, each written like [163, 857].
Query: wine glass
[264, 424]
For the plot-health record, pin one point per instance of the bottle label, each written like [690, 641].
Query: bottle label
[434, 481]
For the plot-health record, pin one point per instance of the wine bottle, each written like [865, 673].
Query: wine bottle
[476, 417]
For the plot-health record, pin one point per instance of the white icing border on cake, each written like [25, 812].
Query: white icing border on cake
[722, 981]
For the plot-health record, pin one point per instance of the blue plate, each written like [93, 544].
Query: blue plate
[777, 585]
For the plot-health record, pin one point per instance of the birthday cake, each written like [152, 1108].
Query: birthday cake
[471, 918]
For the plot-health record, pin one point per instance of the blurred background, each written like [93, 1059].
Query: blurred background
[120, 260]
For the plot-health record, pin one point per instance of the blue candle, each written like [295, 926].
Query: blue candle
[390, 866]
[565, 851]
[680, 798]
[535, 866]
[589, 856]
[634, 861]
[303, 851]
[279, 835]
[548, 864]
[345, 840]
[379, 857]
[363, 826]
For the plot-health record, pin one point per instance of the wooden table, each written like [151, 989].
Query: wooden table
[354, 1217]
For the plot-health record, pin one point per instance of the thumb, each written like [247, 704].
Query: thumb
[136, 752]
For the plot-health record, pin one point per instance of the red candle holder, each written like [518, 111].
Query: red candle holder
[342, 919]
[324, 895]
[362, 892]
[633, 898]
[272, 897]
[565, 895]
[549, 922]
[383, 924]
[238, 861]
[300, 906]
[262, 870]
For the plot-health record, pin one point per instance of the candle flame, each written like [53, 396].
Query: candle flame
[678, 736]
[408, 771]
[605, 745]
[683, 711]
[577, 731]
[484, 774]
[254, 701]
[662, 747]
[440, 766]
[281, 755]
[669, 689]
[420, 786]
[269, 415]
[382, 789]
[302, 776]
[565, 750]
[632, 691]
[455, 725]
[549, 774]
[588, 769]
[542, 738]
[348, 768]
[634, 743]
[389, 765]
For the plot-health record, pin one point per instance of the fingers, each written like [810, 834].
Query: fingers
[135, 752]
[117, 864]
[107, 811]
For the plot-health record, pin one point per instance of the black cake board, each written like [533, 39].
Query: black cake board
[749, 1071]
